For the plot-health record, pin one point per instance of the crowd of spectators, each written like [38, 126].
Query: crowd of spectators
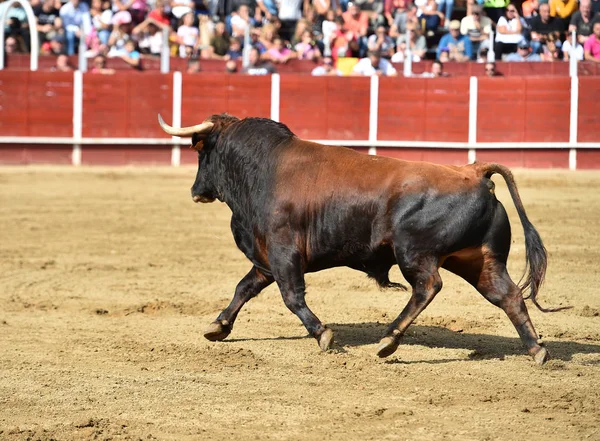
[358, 37]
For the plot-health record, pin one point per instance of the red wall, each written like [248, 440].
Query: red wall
[510, 109]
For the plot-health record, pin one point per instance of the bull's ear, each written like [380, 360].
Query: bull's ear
[197, 146]
[197, 142]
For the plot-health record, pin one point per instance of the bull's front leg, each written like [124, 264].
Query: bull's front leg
[250, 286]
[288, 273]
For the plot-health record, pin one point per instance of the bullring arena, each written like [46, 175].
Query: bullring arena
[110, 274]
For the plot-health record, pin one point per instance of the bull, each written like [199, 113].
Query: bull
[300, 207]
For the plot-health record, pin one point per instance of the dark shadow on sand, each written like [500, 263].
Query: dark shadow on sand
[483, 346]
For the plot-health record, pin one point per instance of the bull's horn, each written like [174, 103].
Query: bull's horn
[185, 131]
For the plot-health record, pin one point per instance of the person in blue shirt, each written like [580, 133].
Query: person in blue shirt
[458, 46]
[523, 53]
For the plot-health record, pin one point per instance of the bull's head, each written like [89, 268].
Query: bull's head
[204, 188]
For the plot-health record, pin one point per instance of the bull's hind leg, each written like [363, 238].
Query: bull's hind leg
[488, 274]
[250, 286]
[423, 276]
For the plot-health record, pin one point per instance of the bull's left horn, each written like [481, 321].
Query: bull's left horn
[184, 131]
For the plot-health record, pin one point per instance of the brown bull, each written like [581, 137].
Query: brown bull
[299, 207]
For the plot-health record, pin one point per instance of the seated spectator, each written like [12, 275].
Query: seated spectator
[301, 26]
[58, 45]
[430, 17]
[342, 42]
[235, 49]
[444, 56]
[188, 35]
[459, 46]
[231, 67]
[508, 32]
[382, 42]
[392, 9]
[120, 34]
[437, 70]
[563, 9]
[490, 70]
[374, 65]
[551, 50]
[307, 49]
[219, 43]
[543, 26]
[267, 36]
[326, 69]
[45, 14]
[591, 48]
[13, 45]
[402, 20]
[76, 19]
[149, 36]
[524, 53]
[179, 8]
[328, 27]
[290, 11]
[279, 53]
[268, 8]
[240, 21]
[193, 65]
[356, 22]
[62, 64]
[131, 56]
[101, 15]
[257, 66]
[99, 66]
[136, 8]
[567, 47]
[417, 43]
[582, 21]
[161, 12]
[477, 28]
[530, 9]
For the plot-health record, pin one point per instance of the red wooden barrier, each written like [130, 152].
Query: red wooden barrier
[126, 155]
[325, 107]
[36, 104]
[528, 158]
[588, 127]
[588, 159]
[119, 106]
[238, 95]
[35, 154]
[521, 110]
[439, 156]
[423, 109]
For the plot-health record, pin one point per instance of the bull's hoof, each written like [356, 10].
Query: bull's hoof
[217, 330]
[541, 356]
[326, 339]
[387, 346]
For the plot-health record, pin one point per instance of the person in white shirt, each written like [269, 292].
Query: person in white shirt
[76, 19]
[374, 65]
[508, 32]
[566, 49]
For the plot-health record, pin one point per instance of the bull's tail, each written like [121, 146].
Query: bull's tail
[536, 256]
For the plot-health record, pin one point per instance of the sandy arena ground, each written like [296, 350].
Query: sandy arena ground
[109, 276]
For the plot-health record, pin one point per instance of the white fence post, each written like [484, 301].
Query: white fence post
[473, 92]
[177, 88]
[32, 22]
[77, 116]
[275, 96]
[373, 112]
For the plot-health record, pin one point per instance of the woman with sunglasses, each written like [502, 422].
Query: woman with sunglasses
[508, 32]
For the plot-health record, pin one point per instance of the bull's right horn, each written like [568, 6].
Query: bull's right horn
[185, 131]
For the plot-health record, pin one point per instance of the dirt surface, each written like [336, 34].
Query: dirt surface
[109, 276]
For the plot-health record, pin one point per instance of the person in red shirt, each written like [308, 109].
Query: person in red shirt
[357, 22]
[160, 13]
[591, 47]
